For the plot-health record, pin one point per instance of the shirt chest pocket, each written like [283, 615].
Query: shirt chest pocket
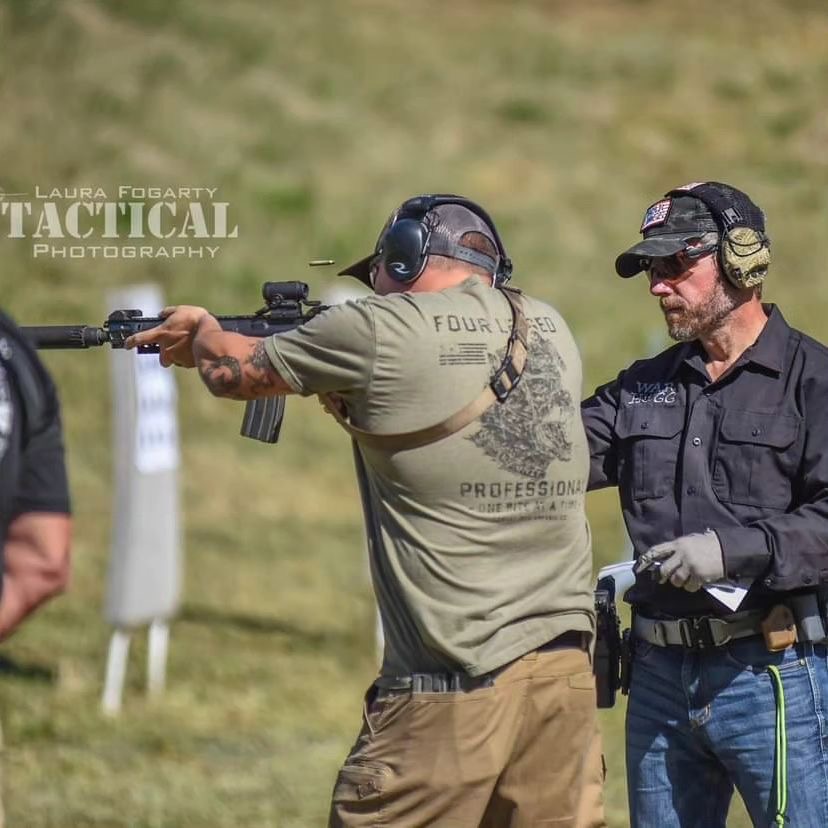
[756, 458]
[649, 439]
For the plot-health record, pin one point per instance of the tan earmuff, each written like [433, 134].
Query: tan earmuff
[744, 252]
[745, 256]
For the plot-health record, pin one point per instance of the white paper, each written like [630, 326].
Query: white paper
[623, 575]
[728, 593]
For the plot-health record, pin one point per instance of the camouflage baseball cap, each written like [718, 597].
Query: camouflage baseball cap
[667, 227]
[674, 220]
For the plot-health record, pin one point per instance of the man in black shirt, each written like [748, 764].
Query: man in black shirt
[718, 448]
[35, 525]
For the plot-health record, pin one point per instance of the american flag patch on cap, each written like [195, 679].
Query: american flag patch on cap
[656, 214]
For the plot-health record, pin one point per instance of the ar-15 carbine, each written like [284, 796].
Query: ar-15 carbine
[286, 307]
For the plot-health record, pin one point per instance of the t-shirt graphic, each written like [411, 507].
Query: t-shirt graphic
[529, 431]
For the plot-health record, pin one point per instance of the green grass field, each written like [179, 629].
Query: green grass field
[314, 120]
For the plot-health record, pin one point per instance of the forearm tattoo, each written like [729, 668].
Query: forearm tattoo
[222, 376]
[259, 368]
[226, 377]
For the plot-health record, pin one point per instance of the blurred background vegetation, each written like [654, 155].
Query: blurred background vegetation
[314, 119]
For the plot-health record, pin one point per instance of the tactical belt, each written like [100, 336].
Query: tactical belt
[698, 633]
[503, 382]
[436, 682]
[462, 682]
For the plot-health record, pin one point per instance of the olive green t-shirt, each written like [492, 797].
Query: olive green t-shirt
[479, 544]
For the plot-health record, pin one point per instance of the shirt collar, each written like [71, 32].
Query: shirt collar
[771, 344]
[693, 355]
[767, 351]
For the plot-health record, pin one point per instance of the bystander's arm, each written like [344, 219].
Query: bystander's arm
[36, 549]
[790, 550]
[37, 564]
[599, 413]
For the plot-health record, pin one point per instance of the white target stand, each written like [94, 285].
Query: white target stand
[159, 641]
[145, 565]
[116, 665]
[158, 636]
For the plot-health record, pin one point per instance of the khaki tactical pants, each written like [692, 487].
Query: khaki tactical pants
[591, 806]
[511, 755]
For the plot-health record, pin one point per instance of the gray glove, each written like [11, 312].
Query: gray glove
[688, 562]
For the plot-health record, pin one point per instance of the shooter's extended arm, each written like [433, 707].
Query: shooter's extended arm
[286, 307]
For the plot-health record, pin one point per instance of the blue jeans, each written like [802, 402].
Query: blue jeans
[700, 723]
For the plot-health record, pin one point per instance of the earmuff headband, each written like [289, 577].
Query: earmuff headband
[444, 247]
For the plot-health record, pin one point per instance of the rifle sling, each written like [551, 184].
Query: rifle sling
[503, 382]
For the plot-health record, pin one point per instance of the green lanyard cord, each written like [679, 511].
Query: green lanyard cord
[781, 749]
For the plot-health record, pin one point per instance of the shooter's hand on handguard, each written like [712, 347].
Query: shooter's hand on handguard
[175, 336]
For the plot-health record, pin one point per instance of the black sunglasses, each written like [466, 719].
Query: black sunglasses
[670, 267]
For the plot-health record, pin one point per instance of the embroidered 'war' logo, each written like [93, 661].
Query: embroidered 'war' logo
[531, 429]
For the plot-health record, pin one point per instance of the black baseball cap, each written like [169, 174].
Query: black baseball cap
[670, 223]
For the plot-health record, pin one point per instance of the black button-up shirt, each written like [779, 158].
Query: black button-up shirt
[746, 456]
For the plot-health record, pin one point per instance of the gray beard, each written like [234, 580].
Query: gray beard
[690, 323]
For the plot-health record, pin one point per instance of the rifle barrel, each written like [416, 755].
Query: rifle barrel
[65, 336]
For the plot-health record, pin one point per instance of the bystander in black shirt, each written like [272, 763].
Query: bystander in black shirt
[745, 456]
[32, 469]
